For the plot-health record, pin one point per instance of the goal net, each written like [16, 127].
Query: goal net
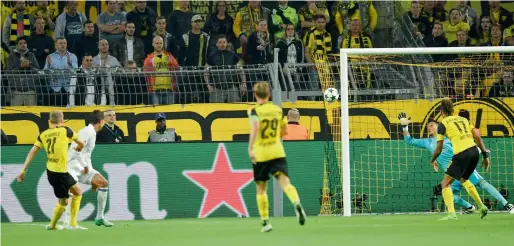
[368, 166]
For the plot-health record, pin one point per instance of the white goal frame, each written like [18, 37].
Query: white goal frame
[345, 117]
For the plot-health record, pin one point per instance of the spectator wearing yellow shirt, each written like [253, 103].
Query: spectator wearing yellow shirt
[162, 87]
[496, 36]
[48, 12]
[247, 21]
[508, 35]
[357, 39]
[454, 24]
[18, 23]
[307, 15]
[350, 10]
[499, 14]
[282, 16]
[6, 11]
[495, 40]
[318, 41]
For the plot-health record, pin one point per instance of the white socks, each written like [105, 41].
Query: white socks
[102, 200]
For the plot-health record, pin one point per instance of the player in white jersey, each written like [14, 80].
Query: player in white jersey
[81, 169]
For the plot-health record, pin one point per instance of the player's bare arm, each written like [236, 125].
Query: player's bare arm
[478, 139]
[32, 153]
[437, 152]
[255, 125]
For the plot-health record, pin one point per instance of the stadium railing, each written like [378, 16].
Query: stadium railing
[372, 78]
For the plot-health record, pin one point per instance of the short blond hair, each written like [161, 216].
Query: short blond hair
[261, 89]
[56, 117]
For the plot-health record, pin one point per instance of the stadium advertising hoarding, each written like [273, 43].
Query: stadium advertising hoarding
[199, 180]
[158, 181]
[228, 122]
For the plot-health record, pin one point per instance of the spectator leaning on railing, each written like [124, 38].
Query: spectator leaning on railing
[88, 80]
[60, 60]
[18, 23]
[223, 86]
[107, 64]
[22, 61]
[290, 47]
[162, 86]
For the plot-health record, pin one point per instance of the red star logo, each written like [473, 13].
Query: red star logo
[222, 185]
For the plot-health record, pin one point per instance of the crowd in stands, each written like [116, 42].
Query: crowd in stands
[41, 38]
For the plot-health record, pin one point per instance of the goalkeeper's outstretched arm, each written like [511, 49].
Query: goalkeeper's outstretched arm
[404, 121]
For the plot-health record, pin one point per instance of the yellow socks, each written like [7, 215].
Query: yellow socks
[448, 199]
[58, 211]
[263, 206]
[74, 210]
[292, 194]
[472, 191]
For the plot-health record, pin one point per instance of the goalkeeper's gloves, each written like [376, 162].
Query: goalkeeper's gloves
[404, 121]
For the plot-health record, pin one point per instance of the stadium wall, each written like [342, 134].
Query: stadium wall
[229, 122]
[169, 180]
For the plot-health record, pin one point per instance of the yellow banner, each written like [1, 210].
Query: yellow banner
[228, 122]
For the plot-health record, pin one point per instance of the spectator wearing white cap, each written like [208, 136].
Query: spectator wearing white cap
[295, 131]
[161, 132]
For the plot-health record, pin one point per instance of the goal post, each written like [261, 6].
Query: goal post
[425, 92]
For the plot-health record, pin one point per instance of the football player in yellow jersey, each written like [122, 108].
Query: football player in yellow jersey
[267, 153]
[463, 136]
[55, 142]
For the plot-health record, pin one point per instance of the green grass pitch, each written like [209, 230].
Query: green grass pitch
[382, 230]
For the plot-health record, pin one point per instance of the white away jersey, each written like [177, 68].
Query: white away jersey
[83, 158]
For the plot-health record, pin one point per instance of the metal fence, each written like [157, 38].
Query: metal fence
[376, 79]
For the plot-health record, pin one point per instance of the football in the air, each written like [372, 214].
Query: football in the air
[331, 95]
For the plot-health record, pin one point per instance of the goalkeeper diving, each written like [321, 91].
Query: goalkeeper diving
[444, 159]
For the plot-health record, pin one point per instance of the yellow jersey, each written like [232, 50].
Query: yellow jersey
[268, 145]
[458, 130]
[55, 143]
[451, 30]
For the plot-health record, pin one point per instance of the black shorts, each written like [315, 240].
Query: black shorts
[61, 182]
[463, 164]
[262, 170]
